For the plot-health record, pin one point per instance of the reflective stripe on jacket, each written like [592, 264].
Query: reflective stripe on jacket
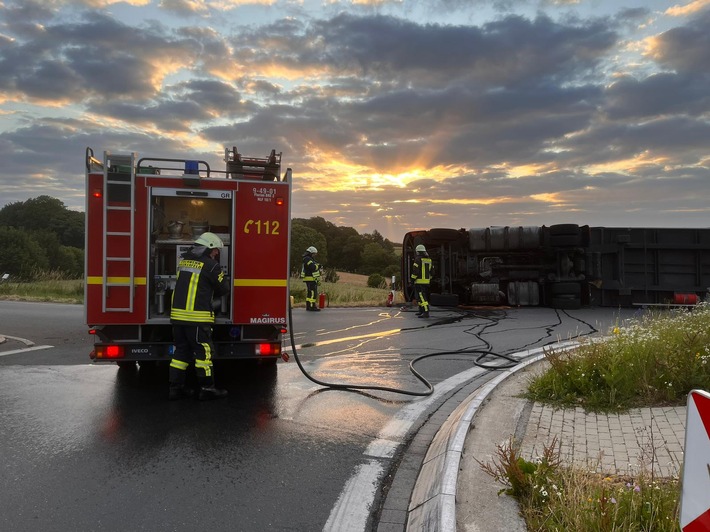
[421, 270]
[198, 280]
[310, 271]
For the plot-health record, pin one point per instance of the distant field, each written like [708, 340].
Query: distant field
[352, 278]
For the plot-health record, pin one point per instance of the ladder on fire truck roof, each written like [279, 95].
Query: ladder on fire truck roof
[115, 165]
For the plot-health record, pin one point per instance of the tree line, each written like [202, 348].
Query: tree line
[344, 249]
[40, 237]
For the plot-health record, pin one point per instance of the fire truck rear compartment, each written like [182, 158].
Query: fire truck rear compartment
[142, 215]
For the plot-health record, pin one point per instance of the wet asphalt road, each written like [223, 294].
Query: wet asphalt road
[88, 447]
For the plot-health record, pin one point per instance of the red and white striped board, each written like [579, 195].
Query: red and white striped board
[695, 498]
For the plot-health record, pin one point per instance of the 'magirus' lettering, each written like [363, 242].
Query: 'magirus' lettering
[267, 320]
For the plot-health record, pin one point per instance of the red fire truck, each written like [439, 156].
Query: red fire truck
[143, 213]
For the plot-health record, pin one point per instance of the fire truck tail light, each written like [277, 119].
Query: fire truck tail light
[279, 201]
[268, 349]
[97, 193]
[109, 351]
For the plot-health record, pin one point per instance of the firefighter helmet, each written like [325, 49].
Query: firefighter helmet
[420, 249]
[209, 240]
[311, 249]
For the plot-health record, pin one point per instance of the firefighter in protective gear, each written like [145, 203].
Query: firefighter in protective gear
[310, 273]
[199, 279]
[421, 277]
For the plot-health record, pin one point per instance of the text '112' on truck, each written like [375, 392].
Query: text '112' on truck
[564, 266]
[143, 213]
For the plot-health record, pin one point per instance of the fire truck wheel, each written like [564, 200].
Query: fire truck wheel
[148, 365]
[125, 365]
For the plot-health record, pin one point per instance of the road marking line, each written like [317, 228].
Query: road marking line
[353, 506]
[354, 503]
[29, 343]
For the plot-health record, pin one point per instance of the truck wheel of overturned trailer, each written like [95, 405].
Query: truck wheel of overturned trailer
[443, 235]
[564, 229]
[566, 289]
[444, 300]
[565, 235]
[566, 295]
[566, 302]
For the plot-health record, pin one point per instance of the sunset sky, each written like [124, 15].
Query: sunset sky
[394, 115]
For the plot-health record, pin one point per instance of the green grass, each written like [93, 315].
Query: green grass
[48, 288]
[342, 294]
[555, 498]
[654, 361]
[353, 292]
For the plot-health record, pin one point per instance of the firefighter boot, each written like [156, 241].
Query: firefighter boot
[179, 391]
[208, 393]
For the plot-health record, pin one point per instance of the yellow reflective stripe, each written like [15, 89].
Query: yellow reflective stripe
[205, 316]
[206, 364]
[178, 364]
[116, 280]
[192, 291]
[260, 282]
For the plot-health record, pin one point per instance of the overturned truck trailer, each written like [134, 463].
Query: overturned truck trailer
[564, 266]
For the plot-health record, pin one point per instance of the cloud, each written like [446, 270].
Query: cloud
[385, 118]
[684, 49]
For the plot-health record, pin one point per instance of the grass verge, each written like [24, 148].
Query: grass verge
[350, 291]
[553, 497]
[655, 360]
[45, 290]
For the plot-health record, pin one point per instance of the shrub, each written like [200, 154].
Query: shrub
[330, 275]
[376, 281]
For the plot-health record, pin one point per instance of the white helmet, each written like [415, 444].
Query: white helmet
[311, 249]
[209, 240]
[420, 249]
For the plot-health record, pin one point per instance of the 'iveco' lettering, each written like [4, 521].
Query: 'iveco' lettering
[267, 320]
[136, 350]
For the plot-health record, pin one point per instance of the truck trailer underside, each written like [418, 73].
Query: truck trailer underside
[564, 266]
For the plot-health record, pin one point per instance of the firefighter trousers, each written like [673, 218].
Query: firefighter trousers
[422, 294]
[192, 342]
[311, 295]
